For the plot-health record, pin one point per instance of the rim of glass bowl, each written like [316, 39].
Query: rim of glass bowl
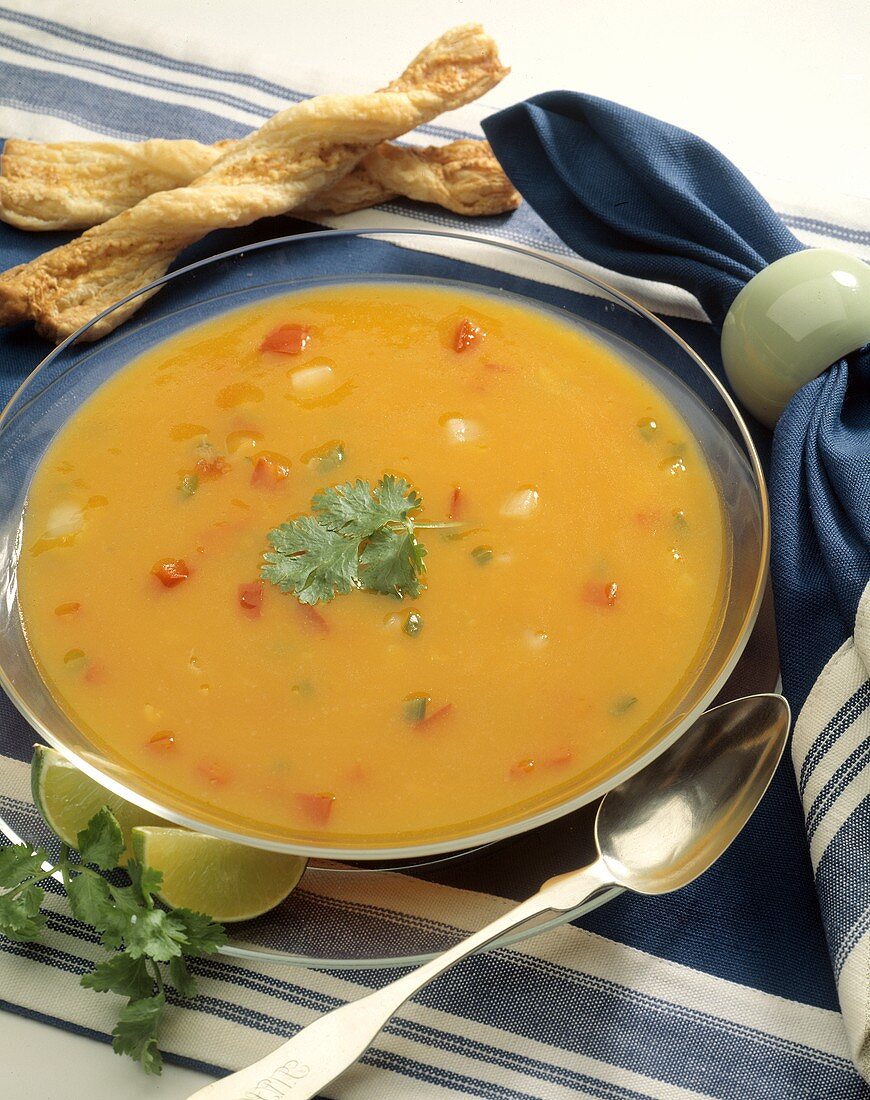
[521, 825]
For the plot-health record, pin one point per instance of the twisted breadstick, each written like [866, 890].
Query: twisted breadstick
[77, 184]
[293, 156]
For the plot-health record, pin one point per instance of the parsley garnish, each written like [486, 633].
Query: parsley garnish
[140, 935]
[358, 537]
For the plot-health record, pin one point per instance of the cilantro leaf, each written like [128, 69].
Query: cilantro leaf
[121, 974]
[358, 537]
[357, 511]
[19, 862]
[391, 563]
[311, 561]
[101, 841]
[136, 1032]
[20, 918]
[89, 898]
[146, 881]
[204, 936]
[181, 977]
[155, 933]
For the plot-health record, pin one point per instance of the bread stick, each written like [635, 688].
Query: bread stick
[299, 152]
[77, 184]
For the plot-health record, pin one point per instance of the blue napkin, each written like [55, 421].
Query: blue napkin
[647, 199]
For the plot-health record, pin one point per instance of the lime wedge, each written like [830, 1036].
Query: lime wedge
[230, 882]
[68, 799]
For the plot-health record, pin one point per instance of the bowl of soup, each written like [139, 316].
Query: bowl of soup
[374, 545]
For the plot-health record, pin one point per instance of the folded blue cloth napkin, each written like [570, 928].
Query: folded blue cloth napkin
[648, 199]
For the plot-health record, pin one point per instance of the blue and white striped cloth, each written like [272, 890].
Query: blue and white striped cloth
[724, 990]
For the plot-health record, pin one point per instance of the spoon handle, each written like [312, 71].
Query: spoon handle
[319, 1052]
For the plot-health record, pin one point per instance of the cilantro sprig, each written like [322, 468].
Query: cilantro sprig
[142, 937]
[358, 537]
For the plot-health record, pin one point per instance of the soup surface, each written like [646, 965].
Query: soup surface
[573, 591]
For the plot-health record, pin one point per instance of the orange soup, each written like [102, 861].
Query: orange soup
[572, 580]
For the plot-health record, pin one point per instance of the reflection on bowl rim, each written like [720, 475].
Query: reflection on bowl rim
[521, 824]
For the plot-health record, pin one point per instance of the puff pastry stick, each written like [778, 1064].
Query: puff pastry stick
[77, 184]
[293, 156]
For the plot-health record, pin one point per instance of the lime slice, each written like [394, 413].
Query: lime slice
[68, 799]
[229, 882]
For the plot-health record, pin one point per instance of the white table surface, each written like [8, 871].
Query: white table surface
[780, 86]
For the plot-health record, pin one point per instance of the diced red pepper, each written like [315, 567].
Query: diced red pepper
[287, 339]
[170, 571]
[468, 334]
[522, 768]
[313, 619]
[212, 467]
[269, 472]
[317, 808]
[558, 759]
[434, 718]
[251, 598]
[601, 595]
[456, 504]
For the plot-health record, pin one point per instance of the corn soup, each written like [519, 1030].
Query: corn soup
[573, 574]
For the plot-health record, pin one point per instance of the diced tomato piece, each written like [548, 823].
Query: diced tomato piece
[601, 595]
[251, 598]
[95, 673]
[468, 334]
[212, 467]
[170, 571]
[558, 759]
[456, 504]
[435, 717]
[357, 773]
[522, 768]
[216, 774]
[313, 619]
[269, 472]
[287, 339]
[317, 808]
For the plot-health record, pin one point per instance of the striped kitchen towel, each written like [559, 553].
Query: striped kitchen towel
[723, 990]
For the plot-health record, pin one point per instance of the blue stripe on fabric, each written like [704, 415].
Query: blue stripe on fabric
[30, 49]
[269, 1024]
[828, 1076]
[854, 706]
[827, 229]
[855, 935]
[290, 95]
[90, 104]
[843, 884]
[616, 996]
[136, 53]
[851, 767]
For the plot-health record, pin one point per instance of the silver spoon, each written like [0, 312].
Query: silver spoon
[654, 833]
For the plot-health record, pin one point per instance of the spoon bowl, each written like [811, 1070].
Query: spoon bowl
[664, 826]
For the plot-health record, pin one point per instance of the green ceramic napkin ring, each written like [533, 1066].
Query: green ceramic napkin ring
[791, 322]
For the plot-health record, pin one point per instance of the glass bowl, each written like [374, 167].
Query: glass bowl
[73, 371]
